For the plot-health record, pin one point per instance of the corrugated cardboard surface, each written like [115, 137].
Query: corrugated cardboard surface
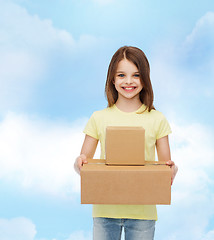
[125, 146]
[102, 184]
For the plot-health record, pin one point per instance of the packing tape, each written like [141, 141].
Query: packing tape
[146, 164]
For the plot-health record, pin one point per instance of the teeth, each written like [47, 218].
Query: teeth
[130, 88]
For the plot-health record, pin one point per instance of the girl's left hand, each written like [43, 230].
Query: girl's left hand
[174, 169]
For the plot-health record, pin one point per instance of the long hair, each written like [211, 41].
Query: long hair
[138, 57]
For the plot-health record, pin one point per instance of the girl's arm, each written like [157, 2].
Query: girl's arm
[88, 149]
[163, 152]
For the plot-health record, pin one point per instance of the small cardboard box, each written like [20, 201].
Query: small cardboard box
[103, 184]
[125, 146]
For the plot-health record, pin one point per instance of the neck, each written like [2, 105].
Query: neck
[128, 105]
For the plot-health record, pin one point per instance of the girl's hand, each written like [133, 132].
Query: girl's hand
[88, 149]
[174, 169]
[79, 162]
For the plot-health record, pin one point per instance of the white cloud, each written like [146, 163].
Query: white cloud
[203, 28]
[22, 228]
[20, 29]
[17, 229]
[29, 49]
[26, 42]
[198, 47]
[193, 189]
[209, 235]
[183, 72]
[38, 155]
[80, 235]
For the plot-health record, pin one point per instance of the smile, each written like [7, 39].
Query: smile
[128, 88]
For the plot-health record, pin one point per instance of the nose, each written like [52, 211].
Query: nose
[129, 80]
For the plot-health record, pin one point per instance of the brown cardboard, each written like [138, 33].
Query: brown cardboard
[104, 184]
[125, 146]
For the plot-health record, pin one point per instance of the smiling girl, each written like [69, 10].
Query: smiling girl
[130, 103]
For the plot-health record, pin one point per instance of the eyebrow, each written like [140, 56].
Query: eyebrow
[124, 72]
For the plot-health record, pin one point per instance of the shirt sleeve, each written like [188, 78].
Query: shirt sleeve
[164, 128]
[91, 127]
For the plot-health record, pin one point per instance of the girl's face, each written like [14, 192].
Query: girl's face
[127, 80]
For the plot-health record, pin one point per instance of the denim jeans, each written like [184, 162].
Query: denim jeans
[134, 229]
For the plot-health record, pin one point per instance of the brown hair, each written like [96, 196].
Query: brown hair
[136, 56]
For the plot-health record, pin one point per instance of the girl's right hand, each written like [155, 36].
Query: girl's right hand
[79, 162]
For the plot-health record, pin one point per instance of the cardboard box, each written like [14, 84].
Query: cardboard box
[125, 146]
[103, 184]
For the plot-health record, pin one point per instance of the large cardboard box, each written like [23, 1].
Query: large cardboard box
[103, 184]
[125, 145]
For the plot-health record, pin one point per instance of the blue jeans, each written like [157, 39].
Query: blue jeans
[134, 229]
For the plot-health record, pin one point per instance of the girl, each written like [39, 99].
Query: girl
[130, 103]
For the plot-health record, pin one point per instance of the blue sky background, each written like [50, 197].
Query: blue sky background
[53, 62]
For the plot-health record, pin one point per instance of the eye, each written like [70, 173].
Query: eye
[137, 75]
[121, 75]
